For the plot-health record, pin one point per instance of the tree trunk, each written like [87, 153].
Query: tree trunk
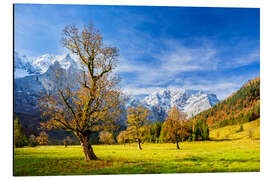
[87, 149]
[177, 145]
[139, 144]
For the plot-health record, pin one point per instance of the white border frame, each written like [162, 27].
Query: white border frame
[7, 83]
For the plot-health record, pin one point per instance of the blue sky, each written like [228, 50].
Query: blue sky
[213, 49]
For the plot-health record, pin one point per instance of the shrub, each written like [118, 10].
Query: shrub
[250, 133]
[218, 134]
[122, 138]
[106, 137]
[42, 138]
[240, 129]
[32, 141]
[20, 139]
[67, 141]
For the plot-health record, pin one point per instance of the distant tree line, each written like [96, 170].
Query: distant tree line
[176, 128]
[21, 138]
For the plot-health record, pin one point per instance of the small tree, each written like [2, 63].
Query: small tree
[122, 137]
[154, 132]
[161, 136]
[106, 137]
[42, 138]
[250, 133]
[67, 141]
[200, 129]
[218, 134]
[20, 139]
[175, 127]
[32, 141]
[137, 121]
[241, 128]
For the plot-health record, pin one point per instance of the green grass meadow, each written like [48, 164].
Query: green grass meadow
[231, 151]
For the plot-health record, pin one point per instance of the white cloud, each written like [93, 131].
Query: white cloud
[173, 63]
[248, 58]
[140, 90]
[130, 67]
[221, 89]
[177, 59]
[183, 59]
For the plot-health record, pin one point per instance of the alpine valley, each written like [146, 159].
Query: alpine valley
[34, 76]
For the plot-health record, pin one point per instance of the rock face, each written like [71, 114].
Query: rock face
[188, 101]
[40, 77]
[23, 66]
[36, 76]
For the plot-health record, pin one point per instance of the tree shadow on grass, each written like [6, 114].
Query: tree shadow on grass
[209, 160]
[221, 140]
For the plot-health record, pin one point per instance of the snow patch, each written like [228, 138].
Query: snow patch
[20, 73]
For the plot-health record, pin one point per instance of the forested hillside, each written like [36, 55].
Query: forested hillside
[242, 106]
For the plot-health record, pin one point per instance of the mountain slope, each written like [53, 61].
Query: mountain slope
[28, 89]
[189, 101]
[43, 62]
[242, 106]
[250, 130]
[25, 66]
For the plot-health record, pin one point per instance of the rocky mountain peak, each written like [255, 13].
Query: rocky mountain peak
[25, 66]
[188, 101]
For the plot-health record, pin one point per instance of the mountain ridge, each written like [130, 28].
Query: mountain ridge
[188, 101]
[25, 66]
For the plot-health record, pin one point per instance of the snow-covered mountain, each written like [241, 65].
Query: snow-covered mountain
[36, 75]
[199, 102]
[188, 101]
[25, 66]
[43, 62]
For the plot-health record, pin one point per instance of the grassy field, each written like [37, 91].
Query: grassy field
[231, 151]
[234, 133]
